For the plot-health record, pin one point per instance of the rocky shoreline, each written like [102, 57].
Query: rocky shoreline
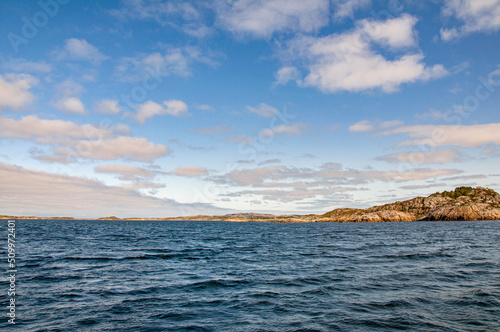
[463, 203]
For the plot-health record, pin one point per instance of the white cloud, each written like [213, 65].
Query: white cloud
[181, 15]
[30, 127]
[174, 61]
[175, 107]
[362, 126]
[72, 105]
[31, 192]
[390, 124]
[126, 147]
[81, 50]
[310, 186]
[150, 109]
[424, 157]
[350, 62]
[324, 178]
[147, 110]
[264, 110]
[291, 129]
[346, 8]
[108, 106]
[67, 97]
[295, 128]
[15, 91]
[263, 18]
[125, 170]
[431, 114]
[476, 15]
[190, 171]
[287, 74]
[23, 65]
[396, 33]
[72, 141]
[441, 135]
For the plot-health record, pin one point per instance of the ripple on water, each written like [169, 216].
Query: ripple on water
[214, 276]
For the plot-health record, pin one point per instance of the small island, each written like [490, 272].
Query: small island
[463, 203]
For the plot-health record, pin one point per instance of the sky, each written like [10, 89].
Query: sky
[148, 108]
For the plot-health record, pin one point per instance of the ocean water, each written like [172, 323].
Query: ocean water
[215, 276]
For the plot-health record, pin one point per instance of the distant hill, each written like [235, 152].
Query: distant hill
[463, 203]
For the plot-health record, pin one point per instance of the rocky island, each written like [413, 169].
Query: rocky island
[463, 203]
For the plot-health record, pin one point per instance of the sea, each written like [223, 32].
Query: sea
[75, 275]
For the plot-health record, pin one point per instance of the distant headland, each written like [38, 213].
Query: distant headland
[463, 203]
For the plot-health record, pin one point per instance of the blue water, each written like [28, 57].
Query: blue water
[214, 276]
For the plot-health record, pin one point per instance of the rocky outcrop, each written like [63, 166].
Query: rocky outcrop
[385, 216]
[463, 203]
[467, 204]
[464, 212]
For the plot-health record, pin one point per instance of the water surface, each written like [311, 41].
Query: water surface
[215, 276]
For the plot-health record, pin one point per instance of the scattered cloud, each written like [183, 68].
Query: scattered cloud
[455, 135]
[287, 74]
[287, 184]
[121, 147]
[346, 8]
[80, 50]
[30, 127]
[263, 18]
[476, 16]
[150, 109]
[108, 106]
[431, 114]
[173, 61]
[15, 91]
[23, 65]
[390, 124]
[71, 105]
[264, 110]
[295, 129]
[125, 170]
[367, 126]
[465, 177]
[424, 186]
[67, 98]
[291, 129]
[330, 175]
[31, 192]
[181, 15]
[424, 157]
[350, 61]
[190, 171]
[270, 161]
[71, 141]
[362, 126]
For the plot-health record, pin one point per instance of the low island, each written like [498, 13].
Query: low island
[463, 203]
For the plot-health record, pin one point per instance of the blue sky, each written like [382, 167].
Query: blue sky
[166, 108]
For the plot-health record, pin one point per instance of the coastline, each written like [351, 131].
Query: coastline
[461, 204]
